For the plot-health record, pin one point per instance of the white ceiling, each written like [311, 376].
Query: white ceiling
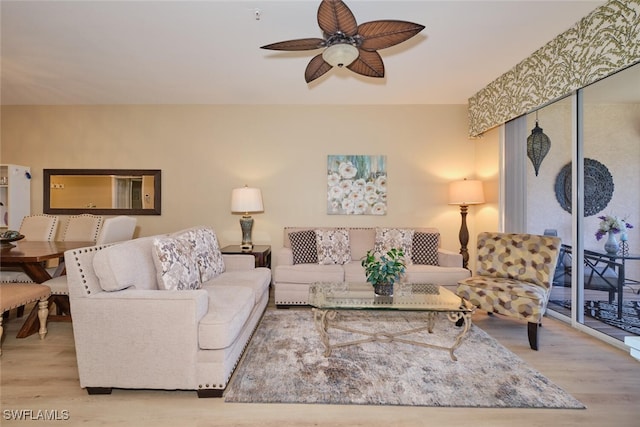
[207, 52]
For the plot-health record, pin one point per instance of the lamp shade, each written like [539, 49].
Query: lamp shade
[538, 145]
[466, 192]
[245, 200]
[340, 54]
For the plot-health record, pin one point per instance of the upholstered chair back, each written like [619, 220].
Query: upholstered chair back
[117, 229]
[40, 228]
[83, 227]
[526, 257]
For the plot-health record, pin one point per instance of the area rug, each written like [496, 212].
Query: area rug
[285, 363]
[608, 313]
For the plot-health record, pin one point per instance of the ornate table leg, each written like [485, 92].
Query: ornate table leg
[466, 325]
[431, 320]
[321, 319]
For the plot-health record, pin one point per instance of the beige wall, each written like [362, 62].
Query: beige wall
[205, 151]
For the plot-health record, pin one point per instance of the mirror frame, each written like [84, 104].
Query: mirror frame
[46, 201]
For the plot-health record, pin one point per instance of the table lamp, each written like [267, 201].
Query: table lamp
[246, 200]
[465, 193]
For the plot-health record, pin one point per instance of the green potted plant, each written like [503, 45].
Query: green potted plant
[384, 270]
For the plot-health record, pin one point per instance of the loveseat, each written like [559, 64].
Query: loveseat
[333, 254]
[163, 312]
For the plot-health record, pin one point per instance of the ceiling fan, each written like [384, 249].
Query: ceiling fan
[347, 44]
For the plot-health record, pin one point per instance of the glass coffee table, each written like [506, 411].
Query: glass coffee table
[327, 299]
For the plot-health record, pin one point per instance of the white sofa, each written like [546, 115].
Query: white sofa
[291, 280]
[131, 332]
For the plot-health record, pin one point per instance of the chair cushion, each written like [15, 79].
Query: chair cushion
[176, 264]
[14, 295]
[58, 285]
[333, 246]
[505, 296]
[424, 248]
[304, 247]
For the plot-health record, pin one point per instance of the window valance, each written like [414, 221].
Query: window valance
[605, 41]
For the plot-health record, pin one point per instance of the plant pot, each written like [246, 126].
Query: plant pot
[383, 289]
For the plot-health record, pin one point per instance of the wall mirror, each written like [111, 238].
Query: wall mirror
[102, 191]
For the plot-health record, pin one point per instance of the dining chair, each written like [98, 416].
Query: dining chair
[79, 228]
[39, 227]
[82, 228]
[514, 276]
[114, 229]
[117, 229]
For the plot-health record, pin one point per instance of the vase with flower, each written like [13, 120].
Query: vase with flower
[610, 226]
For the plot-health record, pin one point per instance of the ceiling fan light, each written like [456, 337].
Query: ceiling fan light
[340, 54]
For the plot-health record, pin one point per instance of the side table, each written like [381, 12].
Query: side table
[262, 253]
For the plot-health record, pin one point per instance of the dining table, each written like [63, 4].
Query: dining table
[32, 257]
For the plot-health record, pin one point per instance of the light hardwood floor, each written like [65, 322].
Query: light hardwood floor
[41, 375]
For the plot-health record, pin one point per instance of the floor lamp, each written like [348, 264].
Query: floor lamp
[246, 200]
[465, 193]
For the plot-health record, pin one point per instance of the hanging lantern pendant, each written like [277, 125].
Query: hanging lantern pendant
[538, 145]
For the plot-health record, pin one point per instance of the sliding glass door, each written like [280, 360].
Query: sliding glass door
[611, 148]
[586, 190]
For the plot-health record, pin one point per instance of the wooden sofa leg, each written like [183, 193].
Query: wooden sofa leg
[99, 390]
[533, 335]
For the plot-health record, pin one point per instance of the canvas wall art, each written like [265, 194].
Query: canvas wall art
[356, 185]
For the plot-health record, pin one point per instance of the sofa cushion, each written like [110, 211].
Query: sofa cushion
[257, 279]
[126, 265]
[304, 247]
[361, 240]
[425, 248]
[308, 273]
[389, 238]
[176, 264]
[354, 272]
[333, 246]
[446, 276]
[229, 309]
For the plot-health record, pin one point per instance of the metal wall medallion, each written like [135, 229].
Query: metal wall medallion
[598, 187]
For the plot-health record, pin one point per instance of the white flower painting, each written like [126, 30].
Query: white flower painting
[356, 185]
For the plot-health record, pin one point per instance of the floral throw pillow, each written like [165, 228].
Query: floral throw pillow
[176, 265]
[425, 248]
[303, 247]
[333, 246]
[206, 251]
[208, 255]
[389, 238]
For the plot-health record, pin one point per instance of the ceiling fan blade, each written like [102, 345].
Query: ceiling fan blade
[386, 33]
[298, 44]
[335, 16]
[369, 64]
[316, 68]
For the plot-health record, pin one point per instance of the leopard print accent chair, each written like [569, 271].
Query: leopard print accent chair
[514, 275]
